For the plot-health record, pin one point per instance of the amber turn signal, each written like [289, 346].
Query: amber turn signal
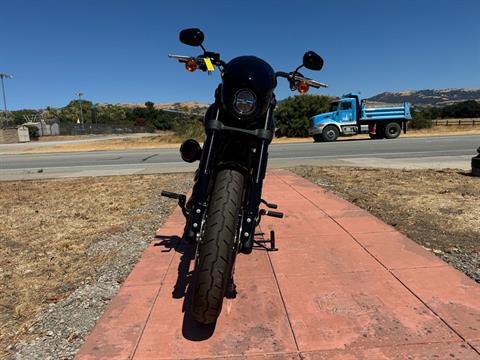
[191, 65]
[303, 87]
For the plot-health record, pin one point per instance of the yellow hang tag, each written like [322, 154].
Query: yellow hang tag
[209, 64]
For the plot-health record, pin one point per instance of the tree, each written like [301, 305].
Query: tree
[111, 114]
[292, 115]
[20, 116]
[421, 118]
[71, 112]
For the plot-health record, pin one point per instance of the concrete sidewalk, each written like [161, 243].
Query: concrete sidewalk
[343, 285]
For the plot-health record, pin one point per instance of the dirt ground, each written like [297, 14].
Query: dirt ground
[439, 209]
[173, 141]
[48, 227]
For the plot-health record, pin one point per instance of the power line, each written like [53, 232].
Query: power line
[79, 94]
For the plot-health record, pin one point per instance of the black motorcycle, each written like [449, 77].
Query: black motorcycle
[224, 208]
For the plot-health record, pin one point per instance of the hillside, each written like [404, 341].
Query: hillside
[429, 97]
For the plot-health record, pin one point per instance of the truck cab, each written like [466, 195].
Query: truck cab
[349, 116]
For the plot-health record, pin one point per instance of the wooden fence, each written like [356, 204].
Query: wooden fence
[457, 122]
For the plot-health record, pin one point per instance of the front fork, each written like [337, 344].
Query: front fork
[199, 206]
[251, 213]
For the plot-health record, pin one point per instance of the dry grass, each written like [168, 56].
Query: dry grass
[446, 130]
[47, 227]
[68, 137]
[148, 142]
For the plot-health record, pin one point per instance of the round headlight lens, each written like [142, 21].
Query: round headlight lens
[244, 102]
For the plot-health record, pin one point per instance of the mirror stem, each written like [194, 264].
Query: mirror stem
[298, 68]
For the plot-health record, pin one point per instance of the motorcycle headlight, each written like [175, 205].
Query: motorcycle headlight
[244, 102]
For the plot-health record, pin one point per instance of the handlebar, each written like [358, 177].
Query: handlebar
[181, 58]
[295, 78]
[214, 57]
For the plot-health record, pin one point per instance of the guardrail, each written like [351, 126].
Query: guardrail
[456, 122]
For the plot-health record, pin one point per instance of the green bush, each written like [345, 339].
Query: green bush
[292, 115]
[421, 120]
[192, 129]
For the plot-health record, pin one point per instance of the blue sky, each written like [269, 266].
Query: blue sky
[116, 50]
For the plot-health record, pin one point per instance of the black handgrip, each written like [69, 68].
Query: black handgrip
[170, 195]
[276, 214]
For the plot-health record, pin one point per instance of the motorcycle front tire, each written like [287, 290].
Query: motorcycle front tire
[215, 253]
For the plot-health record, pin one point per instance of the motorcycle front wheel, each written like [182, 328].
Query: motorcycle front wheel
[215, 253]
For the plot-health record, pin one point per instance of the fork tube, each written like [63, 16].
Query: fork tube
[255, 192]
[201, 190]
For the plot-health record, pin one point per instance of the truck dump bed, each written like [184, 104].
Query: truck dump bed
[389, 112]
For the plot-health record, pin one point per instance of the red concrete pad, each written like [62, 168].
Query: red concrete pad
[302, 206]
[277, 356]
[438, 351]
[255, 265]
[361, 309]
[332, 204]
[363, 224]
[307, 226]
[176, 217]
[321, 255]
[448, 292]
[346, 213]
[253, 323]
[152, 266]
[119, 329]
[308, 190]
[296, 182]
[396, 251]
[275, 185]
[476, 345]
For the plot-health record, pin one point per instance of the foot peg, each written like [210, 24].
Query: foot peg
[182, 199]
[173, 195]
[269, 205]
[276, 214]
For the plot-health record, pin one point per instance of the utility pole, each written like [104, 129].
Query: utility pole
[81, 111]
[5, 117]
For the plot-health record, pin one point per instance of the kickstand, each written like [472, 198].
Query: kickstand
[268, 245]
[231, 290]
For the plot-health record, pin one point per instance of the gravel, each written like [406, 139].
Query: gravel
[61, 329]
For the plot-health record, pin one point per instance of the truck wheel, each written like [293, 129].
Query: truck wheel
[330, 133]
[380, 133]
[317, 138]
[392, 130]
[216, 250]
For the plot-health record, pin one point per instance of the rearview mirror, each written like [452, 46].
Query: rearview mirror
[312, 61]
[192, 37]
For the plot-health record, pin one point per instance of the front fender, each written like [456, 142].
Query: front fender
[318, 129]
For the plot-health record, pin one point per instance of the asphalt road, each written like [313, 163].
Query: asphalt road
[437, 152]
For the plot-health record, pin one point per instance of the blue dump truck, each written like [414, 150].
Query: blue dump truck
[351, 116]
